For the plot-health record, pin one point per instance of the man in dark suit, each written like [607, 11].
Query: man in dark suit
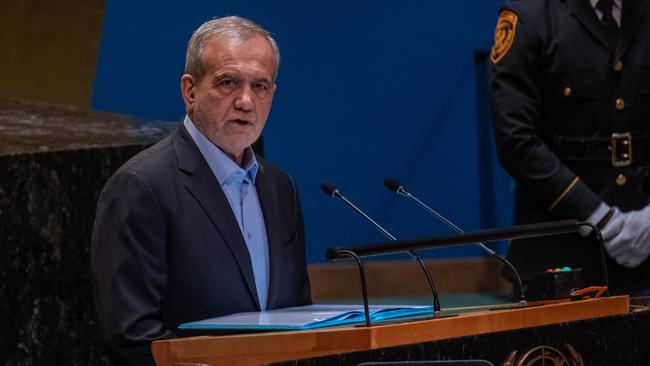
[198, 226]
[570, 85]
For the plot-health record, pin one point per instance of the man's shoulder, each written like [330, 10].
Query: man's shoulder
[531, 8]
[531, 20]
[157, 159]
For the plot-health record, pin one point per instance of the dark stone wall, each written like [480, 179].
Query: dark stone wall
[54, 162]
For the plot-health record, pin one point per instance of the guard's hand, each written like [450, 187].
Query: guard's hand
[602, 215]
[613, 226]
[631, 246]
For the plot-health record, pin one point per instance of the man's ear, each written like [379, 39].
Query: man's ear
[187, 89]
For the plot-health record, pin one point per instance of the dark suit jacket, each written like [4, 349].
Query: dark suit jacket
[167, 248]
[562, 81]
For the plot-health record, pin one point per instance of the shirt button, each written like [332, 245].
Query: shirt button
[567, 91]
[621, 180]
[620, 104]
[250, 236]
[618, 66]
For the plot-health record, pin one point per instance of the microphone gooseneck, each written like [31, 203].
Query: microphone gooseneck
[331, 190]
[394, 186]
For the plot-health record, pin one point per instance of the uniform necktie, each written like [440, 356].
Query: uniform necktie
[605, 7]
[608, 22]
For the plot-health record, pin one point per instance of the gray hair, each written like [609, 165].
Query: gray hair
[233, 29]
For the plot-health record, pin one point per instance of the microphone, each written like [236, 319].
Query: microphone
[331, 190]
[396, 187]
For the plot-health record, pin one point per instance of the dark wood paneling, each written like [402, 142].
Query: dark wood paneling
[405, 278]
[48, 49]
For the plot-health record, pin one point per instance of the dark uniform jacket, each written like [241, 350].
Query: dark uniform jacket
[167, 248]
[561, 86]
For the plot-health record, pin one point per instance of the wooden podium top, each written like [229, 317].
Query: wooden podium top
[261, 348]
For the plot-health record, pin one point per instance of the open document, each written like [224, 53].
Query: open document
[309, 317]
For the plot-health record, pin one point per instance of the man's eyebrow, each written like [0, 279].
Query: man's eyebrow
[227, 75]
[262, 80]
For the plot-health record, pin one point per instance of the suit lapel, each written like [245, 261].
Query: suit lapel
[269, 200]
[586, 15]
[204, 187]
[632, 13]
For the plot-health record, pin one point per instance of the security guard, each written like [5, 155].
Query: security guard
[570, 88]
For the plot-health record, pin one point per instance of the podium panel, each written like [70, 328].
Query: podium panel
[386, 342]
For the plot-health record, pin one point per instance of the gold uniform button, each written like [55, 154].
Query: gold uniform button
[620, 104]
[567, 91]
[621, 180]
[618, 66]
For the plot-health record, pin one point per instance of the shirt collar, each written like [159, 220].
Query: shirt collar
[223, 168]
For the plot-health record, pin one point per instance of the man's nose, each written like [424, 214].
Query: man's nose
[244, 101]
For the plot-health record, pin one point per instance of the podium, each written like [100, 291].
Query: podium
[368, 343]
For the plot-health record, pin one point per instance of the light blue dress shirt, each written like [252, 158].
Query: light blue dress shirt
[239, 187]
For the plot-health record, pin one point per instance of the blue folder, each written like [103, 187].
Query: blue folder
[308, 317]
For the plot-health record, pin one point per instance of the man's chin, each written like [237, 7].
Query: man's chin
[234, 149]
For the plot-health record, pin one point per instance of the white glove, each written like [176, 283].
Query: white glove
[596, 216]
[631, 246]
[613, 226]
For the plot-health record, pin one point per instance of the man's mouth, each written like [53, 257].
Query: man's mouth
[242, 122]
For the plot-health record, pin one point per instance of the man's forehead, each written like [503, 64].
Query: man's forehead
[255, 48]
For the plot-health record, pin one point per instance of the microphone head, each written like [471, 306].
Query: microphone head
[329, 189]
[393, 185]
